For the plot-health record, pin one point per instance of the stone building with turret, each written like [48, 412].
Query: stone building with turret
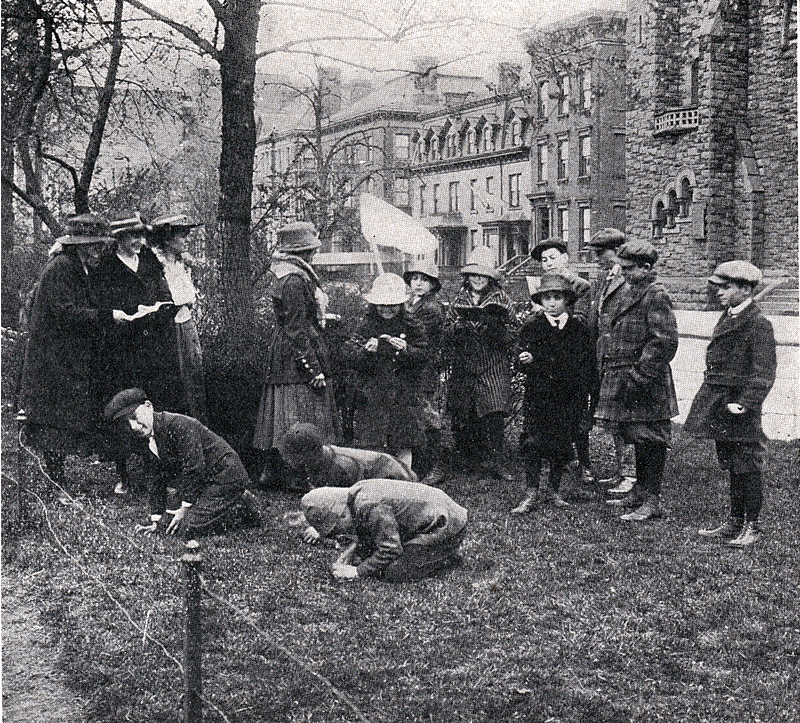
[711, 142]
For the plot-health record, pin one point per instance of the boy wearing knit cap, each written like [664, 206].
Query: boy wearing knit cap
[331, 466]
[637, 339]
[740, 371]
[406, 530]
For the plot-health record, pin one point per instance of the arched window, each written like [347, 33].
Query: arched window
[659, 220]
[516, 132]
[686, 198]
[488, 144]
[471, 146]
[671, 209]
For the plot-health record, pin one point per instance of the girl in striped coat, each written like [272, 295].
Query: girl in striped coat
[478, 336]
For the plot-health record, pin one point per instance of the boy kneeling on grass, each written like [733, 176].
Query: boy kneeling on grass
[204, 469]
[331, 466]
[556, 356]
[407, 530]
[740, 371]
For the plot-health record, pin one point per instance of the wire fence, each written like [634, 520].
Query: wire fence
[193, 578]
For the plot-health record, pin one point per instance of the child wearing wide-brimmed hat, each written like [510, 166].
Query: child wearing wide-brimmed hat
[478, 337]
[387, 353]
[427, 312]
[555, 355]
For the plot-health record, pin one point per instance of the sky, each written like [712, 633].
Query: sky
[489, 33]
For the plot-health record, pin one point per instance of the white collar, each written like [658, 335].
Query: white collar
[736, 310]
[151, 443]
[558, 321]
[131, 263]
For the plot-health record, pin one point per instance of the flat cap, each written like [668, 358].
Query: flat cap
[323, 506]
[548, 243]
[741, 271]
[642, 252]
[302, 444]
[123, 403]
[607, 238]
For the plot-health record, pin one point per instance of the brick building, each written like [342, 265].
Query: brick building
[578, 143]
[470, 174]
[712, 136]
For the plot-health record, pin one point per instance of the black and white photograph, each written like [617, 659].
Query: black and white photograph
[400, 362]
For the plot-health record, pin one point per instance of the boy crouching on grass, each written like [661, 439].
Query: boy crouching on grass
[406, 530]
[331, 466]
[204, 469]
[740, 371]
[557, 359]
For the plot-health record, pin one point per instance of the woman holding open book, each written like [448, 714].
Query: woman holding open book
[478, 338]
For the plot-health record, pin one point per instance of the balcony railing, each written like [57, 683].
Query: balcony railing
[677, 120]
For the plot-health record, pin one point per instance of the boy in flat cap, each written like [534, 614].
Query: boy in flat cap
[208, 475]
[553, 255]
[331, 466]
[740, 371]
[556, 356]
[406, 530]
[604, 243]
[637, 339]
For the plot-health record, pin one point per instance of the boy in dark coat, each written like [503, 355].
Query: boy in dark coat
[556, 357]
[406, 530]
[326, 465]
[426, 311]
[637, 339]
[553, 255]
[208, 475]
[740, 371]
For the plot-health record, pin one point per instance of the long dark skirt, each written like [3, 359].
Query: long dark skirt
[284, 404]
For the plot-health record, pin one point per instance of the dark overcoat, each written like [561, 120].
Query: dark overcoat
[141, 353]
[297, 350]
[637, 339]
[557, 383]
[479, 354]
[740, 368]
[428, 314]
[191, 458]
[387, 400]
[66, 332]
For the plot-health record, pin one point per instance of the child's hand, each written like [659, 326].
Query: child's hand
[371, 345]
[148, 529]
[525, 357]
[311, 536]
[318, 382]
[177, 521]
[343, 571]
[398, 342]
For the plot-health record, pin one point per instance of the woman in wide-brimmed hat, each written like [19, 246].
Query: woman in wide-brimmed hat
[143, 354]
[61, 389]
[478, 341]
[167, 237]
[426, 311]
[297, 372]
[387, 352]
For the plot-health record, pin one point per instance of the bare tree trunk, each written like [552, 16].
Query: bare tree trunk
[237, 70]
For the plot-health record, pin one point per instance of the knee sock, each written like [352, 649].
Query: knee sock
[651, 458]
[737, 496]
[753, 495]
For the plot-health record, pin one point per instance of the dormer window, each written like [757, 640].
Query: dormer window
[516, 132]
[471, 145]
[488, 141]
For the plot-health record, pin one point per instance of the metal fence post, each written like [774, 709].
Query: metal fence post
[192, 644]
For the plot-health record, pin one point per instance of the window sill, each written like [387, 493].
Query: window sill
[584, 179]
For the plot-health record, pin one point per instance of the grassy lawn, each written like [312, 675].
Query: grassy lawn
[559, 616]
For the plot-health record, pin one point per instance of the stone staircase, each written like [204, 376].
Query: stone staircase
[782, 300]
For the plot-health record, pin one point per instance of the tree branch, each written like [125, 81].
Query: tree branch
[61, 162]
[187, 32]
[36, 202]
